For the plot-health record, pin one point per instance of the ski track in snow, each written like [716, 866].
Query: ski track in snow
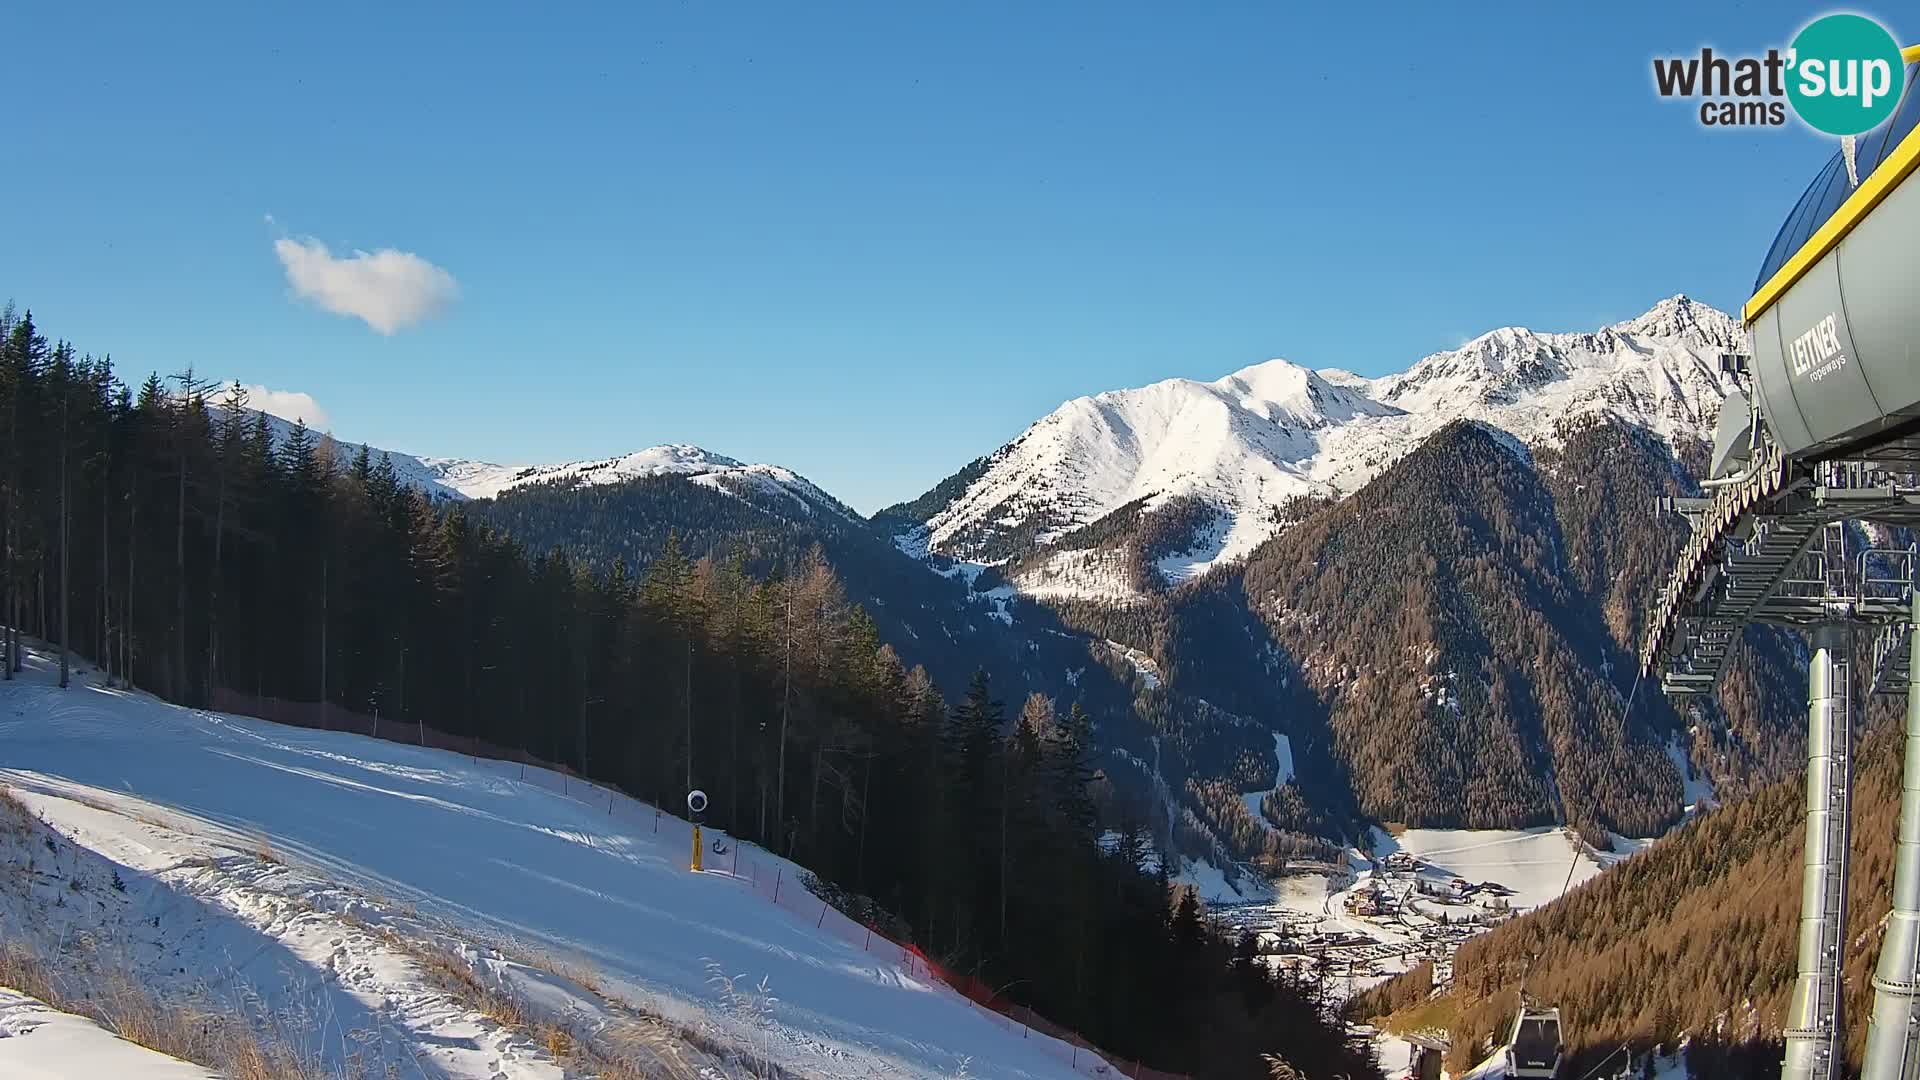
[426, 841]
[1283, 762]
[1696, 787]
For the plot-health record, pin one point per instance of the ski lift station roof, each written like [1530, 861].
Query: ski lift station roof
[1832, 315]
[1831, 187]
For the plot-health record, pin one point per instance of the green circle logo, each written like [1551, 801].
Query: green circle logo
[1846, 74]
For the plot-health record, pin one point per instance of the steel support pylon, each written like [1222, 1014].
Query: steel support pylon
[1893, 1034]
[1814, 1044]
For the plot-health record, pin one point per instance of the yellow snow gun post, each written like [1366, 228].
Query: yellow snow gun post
[696, 809]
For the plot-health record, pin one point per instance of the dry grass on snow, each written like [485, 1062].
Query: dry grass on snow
[73, 976]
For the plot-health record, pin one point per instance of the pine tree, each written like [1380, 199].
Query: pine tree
[669, 591]
[973, 754]
[1250, 972]
[62, 377]
[20, 369]
[189, 415]
[230, 433]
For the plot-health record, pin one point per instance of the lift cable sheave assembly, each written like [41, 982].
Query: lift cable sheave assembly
[1822, 438]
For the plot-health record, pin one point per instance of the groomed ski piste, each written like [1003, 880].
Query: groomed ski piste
[315, 874]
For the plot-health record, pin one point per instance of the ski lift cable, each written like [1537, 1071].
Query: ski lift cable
[1625, 712]
[1603, 1062]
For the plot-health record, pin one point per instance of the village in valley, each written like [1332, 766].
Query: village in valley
[1415, 897]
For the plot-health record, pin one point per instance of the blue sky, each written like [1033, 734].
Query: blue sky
[868, 241]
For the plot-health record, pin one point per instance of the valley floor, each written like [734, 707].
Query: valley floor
[394, 910]
[1314, 908]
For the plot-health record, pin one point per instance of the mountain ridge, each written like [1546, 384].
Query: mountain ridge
[1307, 431]
[469, 479]
[1246, 443]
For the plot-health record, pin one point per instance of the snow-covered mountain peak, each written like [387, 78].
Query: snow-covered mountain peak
[1681, 316]
[1287, 393]
[675, 457]
[1659, 370]
[476, 480]
[465, 478]
[1244, 444]
[1352, 380]
[1239, 443]
[479, 480]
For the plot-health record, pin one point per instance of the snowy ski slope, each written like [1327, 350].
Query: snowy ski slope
[553, 866]
[42, 1043]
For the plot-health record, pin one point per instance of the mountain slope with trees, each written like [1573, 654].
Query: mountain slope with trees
[1458, 652]
[1693, 937]
[1436, 616]
[954, 620]
[944, 623]
[1454, 643]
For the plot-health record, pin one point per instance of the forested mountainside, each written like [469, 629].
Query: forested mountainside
[1435, 614]
[176, 541]
[1693, 937]
[1454, 644]
[1603, 476]
[952, 624]
[1472, 609]
[1447, 622]
[1158, 744]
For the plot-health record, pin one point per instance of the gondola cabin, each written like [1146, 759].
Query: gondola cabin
[1534, 1050]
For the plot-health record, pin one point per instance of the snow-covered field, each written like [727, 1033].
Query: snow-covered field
[307, 870]
[1215, 886]
[1661, 1067]
[1535, 863]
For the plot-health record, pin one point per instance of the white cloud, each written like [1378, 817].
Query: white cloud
[387, 289]
[287, 405]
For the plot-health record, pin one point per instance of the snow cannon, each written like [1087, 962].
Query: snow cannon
[1835, 366]
[697, 808]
